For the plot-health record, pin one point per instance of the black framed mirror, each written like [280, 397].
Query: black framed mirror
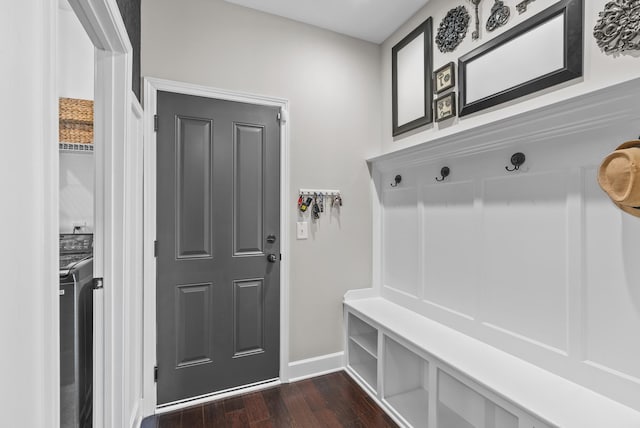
[543, 51]
[412, 92]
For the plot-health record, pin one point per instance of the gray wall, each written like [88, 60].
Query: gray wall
[333, 85]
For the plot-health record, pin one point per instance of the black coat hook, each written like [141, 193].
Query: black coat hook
[444, 172]
[516, 160]
[397, 179]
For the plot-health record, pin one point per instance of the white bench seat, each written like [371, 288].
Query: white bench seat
[547, 396]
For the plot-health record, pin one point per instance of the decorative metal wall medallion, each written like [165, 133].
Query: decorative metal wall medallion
[618, 28]
[499, 15]
[452, 29]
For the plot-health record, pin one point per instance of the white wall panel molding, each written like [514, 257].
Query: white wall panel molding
[536, 262]
[589, 112]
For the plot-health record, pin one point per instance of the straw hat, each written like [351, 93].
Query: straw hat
[619, 176]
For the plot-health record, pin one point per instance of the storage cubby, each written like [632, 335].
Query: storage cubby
[459, 406]
[425, 374]
[363, 350]
[406, 383]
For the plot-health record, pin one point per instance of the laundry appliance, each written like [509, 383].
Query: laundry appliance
[76, 330]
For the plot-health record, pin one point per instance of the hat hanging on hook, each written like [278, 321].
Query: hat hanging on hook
[619, 177]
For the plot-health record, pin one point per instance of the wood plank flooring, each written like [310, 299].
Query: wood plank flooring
[328, 401]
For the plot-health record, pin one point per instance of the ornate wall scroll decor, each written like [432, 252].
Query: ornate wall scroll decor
[499, 15]
[476, 32]
[522, 6]
[618, 28]
[452, 29]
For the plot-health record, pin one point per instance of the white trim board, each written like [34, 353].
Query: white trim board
[581, 114]
[316, 366]
[49, 251]
[151, 88]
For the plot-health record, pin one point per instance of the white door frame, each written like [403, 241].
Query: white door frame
[151, 88]
[103, 23]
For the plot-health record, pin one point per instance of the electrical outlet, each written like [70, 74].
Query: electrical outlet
[302, 230]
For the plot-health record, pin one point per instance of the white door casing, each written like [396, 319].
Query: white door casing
[116, 111]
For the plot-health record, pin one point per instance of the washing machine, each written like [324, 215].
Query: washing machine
[76, 330]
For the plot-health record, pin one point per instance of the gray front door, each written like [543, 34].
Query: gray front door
[218, 287]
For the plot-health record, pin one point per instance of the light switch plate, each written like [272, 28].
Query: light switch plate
[302, 230]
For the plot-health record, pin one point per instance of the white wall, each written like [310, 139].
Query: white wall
[76, 191]
[600, 70]
[75, 65]
[75, 74]
[29, 218]
[333, 85]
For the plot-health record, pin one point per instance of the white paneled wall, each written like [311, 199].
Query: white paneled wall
[401, 238]
[611, 304]
[537, 262]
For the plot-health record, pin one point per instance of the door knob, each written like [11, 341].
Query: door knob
[272, 258]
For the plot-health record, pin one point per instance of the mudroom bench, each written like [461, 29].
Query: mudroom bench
[425, 374]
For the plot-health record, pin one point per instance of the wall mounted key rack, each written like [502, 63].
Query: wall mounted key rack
[325, 192]
[316, 200]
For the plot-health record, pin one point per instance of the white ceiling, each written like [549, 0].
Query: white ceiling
[371, 20]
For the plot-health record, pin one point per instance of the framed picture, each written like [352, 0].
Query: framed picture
[539, 53]
[444, 78]
[445, 107]
[411, 62]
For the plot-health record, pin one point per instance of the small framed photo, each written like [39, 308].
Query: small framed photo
[445, 107]
[444, 78]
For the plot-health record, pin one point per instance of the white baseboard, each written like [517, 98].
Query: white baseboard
[316, 366]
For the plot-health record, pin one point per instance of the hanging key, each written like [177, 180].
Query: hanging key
[315, 210]
[306, 204]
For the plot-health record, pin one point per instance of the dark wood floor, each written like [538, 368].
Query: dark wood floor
[332, 400]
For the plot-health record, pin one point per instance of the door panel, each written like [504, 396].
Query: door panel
[218, 199]
[194, 170]
[248, 309]
[248, 165]
[193, 324]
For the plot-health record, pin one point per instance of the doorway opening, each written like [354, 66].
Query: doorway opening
[116, 224]
[75, 83]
